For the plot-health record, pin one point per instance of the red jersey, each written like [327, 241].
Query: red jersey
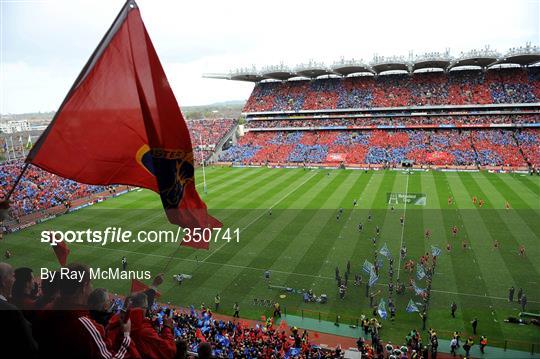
[73, 334]
[148, 342]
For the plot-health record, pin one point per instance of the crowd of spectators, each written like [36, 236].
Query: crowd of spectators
[452, 147]
[519, 119]
[529, 140]
[39, 190]
[510, 85]
[206, 134]
[496, 148]
[67, 318]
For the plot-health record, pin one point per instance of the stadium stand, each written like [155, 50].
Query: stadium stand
[206, 134]
[458, 121]
[528, 140]
[442, 147]
[39, 190]
[503, 86]
[460, 118]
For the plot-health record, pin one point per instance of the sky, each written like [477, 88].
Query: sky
[45, 44]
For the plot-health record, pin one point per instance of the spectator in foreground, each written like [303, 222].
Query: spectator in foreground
[181, 349]
[70, 330]
[15, 330]
[204, 351]
[23, 293]
[149, 343]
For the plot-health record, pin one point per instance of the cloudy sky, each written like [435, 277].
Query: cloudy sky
[44, 44]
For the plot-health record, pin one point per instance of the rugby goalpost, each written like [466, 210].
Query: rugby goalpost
[393, 198]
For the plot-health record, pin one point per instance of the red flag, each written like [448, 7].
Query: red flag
[200, 335]
[138, 286]
[283, 326]
[120, 124]
[62, 251]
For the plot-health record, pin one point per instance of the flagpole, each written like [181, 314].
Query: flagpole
[122, 15]
[203, 171]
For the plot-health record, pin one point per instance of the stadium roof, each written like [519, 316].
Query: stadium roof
[252, 77]
[527, 55]
[313, 70]
[484, 58]
[280, 72]
[347, 67]
[394, 63]
[432, 60]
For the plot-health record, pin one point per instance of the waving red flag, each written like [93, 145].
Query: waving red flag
[62, 251]
[138, 286]
[200, 336]
[120, 124]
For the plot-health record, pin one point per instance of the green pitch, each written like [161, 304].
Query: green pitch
[302, 242]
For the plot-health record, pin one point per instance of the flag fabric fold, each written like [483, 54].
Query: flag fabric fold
[418, 290]
[435, 251]
[420, 272]
[138, 286]
[411, 307]
[385, 251]
[367, 266]
[372, 277]
[381, 309]
[61, 251]
[121, 124]
[199, 335]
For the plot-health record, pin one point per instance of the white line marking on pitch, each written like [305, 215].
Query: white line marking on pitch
[262, 214]
[403, 226]
[273, 270]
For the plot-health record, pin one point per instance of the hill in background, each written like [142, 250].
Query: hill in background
[228, 109]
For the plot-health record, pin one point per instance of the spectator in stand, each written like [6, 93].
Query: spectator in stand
[38, 189]
[442, 147]
[204, 351]
[70, 332]
[148, 342]
[50, 292]
[24, 289]
[510, 85]
[390, 120]
[206, 134]
[15, 330]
